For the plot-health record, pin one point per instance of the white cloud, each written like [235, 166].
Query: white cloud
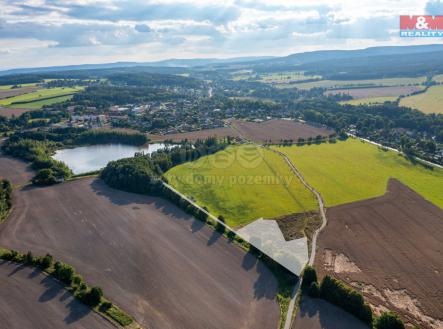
[70, 31]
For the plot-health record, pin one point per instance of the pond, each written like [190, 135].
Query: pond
[84, 159]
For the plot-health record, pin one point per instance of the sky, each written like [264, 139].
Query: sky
[61, 32]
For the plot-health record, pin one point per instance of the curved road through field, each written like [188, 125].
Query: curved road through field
[321, 206]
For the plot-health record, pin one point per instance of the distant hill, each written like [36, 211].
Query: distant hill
[322, 55]
[374, 62]
[183, 63]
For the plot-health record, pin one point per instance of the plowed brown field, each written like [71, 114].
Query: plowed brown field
[277, 130]
[160, 265]
[391, 249]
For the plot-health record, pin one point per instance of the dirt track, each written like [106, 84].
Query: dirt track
[277, 130]
[151, 259]
[391, 249]
[319, 314]
[29, 299]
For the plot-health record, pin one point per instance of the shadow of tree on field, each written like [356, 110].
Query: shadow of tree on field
[52, 289]
[317, 313]
[17, 268]
[76, 311]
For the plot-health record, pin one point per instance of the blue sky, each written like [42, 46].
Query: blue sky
[60, 32]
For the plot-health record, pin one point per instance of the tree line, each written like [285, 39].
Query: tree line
[82, 136]
[5, 198]
[343, 296]
[143, 173]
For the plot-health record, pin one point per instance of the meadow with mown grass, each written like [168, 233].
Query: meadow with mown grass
[243, 183]
[331, 84]
[430, 101]
[353, 170]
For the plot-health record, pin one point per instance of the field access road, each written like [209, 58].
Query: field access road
[322, 210]
[30, 299]
[160, 265]
[321, 206]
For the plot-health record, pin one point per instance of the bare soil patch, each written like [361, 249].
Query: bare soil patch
[338, 263]
[158, 264]
[11, 112]
[395, 241]
[359, 93]
[30, 299]
[296, 226]
[319, 314]
[194, 135]
[6, 93]
[277, 130]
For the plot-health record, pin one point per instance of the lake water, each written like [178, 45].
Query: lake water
[84, 159]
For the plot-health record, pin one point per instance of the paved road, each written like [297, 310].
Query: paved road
[30, 299]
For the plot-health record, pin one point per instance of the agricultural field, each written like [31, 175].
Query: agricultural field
[243, 183]
[277, 130]
[162, 266]
[430, 101]
[376, 95]
[35, 105]
[340, 84]
[30, 299]
[285, 77]
[370, 100]
[194, 135]
[40, 97]
[7, 87]
[16, 171]
[6, 93]
[389, 248]
[10, 112]
[353, 170]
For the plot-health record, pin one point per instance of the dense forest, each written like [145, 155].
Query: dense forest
[143, 173]
[81, 136]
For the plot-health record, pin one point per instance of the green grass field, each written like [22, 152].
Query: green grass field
[282, 77]
[333, 84]
[7, 87]
[40, 104]
[429, 102]
[370, 100]
[352, 170]
[243, 183]
[39, 98]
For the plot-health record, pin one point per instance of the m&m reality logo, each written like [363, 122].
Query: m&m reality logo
[421, 26]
